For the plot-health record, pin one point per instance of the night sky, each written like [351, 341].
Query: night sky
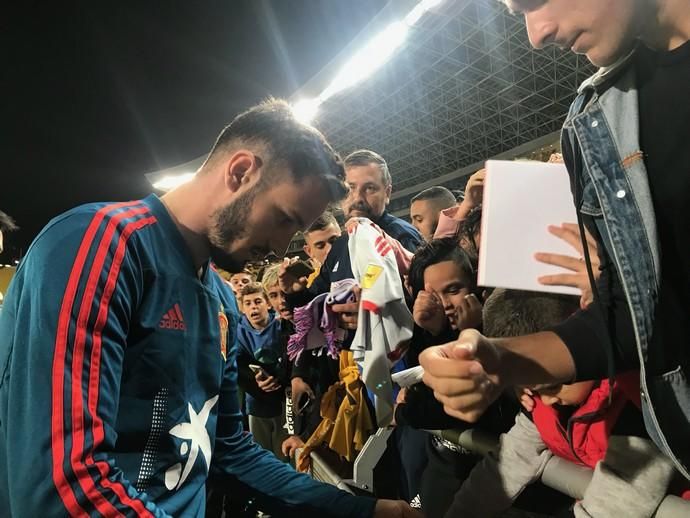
[95, 94]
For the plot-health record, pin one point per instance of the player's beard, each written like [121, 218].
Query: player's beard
[229, 226]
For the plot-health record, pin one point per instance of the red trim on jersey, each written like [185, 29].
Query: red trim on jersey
[370, 306]
[62, 485]
[78, 465]
[94, 378]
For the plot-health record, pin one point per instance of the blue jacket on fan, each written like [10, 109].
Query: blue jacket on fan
[264, 348]
[118, 387]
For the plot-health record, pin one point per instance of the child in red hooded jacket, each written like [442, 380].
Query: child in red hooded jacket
[591, 423]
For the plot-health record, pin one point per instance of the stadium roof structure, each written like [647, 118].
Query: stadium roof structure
[464, 86]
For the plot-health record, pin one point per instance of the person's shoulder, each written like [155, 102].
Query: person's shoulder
[338, 251]
[399, 223]
[101, 222]
[400, 229]
[244, 328]
[224, 291]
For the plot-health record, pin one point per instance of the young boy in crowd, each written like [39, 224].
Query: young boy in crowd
[276, 297]
[238, 281]
[573, 422]
[261, 349]
[306, 419]
[443, 284]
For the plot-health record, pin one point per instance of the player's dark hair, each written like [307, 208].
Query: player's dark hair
[289, 142]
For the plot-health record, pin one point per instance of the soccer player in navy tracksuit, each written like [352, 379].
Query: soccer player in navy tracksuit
[118, 377]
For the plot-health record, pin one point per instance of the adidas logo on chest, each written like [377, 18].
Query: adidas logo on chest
[173, 319]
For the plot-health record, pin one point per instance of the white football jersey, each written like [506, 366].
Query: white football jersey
[384, 322]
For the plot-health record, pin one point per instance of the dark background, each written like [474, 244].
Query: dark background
[95, 94]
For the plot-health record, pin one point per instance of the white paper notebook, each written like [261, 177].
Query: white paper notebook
[521, 199]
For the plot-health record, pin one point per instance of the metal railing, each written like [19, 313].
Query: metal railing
[559, 474]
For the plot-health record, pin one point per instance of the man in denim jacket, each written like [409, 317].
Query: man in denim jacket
[626, 142]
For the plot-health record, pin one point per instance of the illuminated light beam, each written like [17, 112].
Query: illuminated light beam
[168, 183]
[305, 110]
[366, 60]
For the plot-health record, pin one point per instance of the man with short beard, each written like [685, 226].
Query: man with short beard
[118, 339]
[370, 183]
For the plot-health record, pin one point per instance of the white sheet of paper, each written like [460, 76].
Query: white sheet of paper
[521, 199]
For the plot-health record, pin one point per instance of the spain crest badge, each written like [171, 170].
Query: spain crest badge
[223, 323]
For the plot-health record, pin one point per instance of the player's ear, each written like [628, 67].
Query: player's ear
[242, 168]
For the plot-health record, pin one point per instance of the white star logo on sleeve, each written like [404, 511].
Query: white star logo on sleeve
[195, 432]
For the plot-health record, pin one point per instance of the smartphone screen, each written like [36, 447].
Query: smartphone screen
[300, 269]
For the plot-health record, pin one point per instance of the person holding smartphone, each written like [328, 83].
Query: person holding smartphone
[260, 345]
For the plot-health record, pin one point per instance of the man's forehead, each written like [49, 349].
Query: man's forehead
[420, 205]
[364, 173]
[323, 234]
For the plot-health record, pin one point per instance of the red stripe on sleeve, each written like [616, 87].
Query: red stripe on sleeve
[94, 372]
[58, 383]
[79, 468]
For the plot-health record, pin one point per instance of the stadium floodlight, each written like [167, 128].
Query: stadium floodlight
[168, 183]
[366, 60]
[364, 63]
[305, 109]
[422, 7]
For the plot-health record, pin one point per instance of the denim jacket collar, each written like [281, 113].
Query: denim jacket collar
[605, 75]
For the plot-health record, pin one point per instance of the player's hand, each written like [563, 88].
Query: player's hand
[474, 190]
[395, 509]
[570, 233]
[464, 374]
[267, 383]
[347, 313]
[428, 312]
[291, 444]
[469, 313]
[526, 397]
[300, 387]
[287, 281]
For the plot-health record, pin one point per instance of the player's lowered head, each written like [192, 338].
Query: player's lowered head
[267, 177]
